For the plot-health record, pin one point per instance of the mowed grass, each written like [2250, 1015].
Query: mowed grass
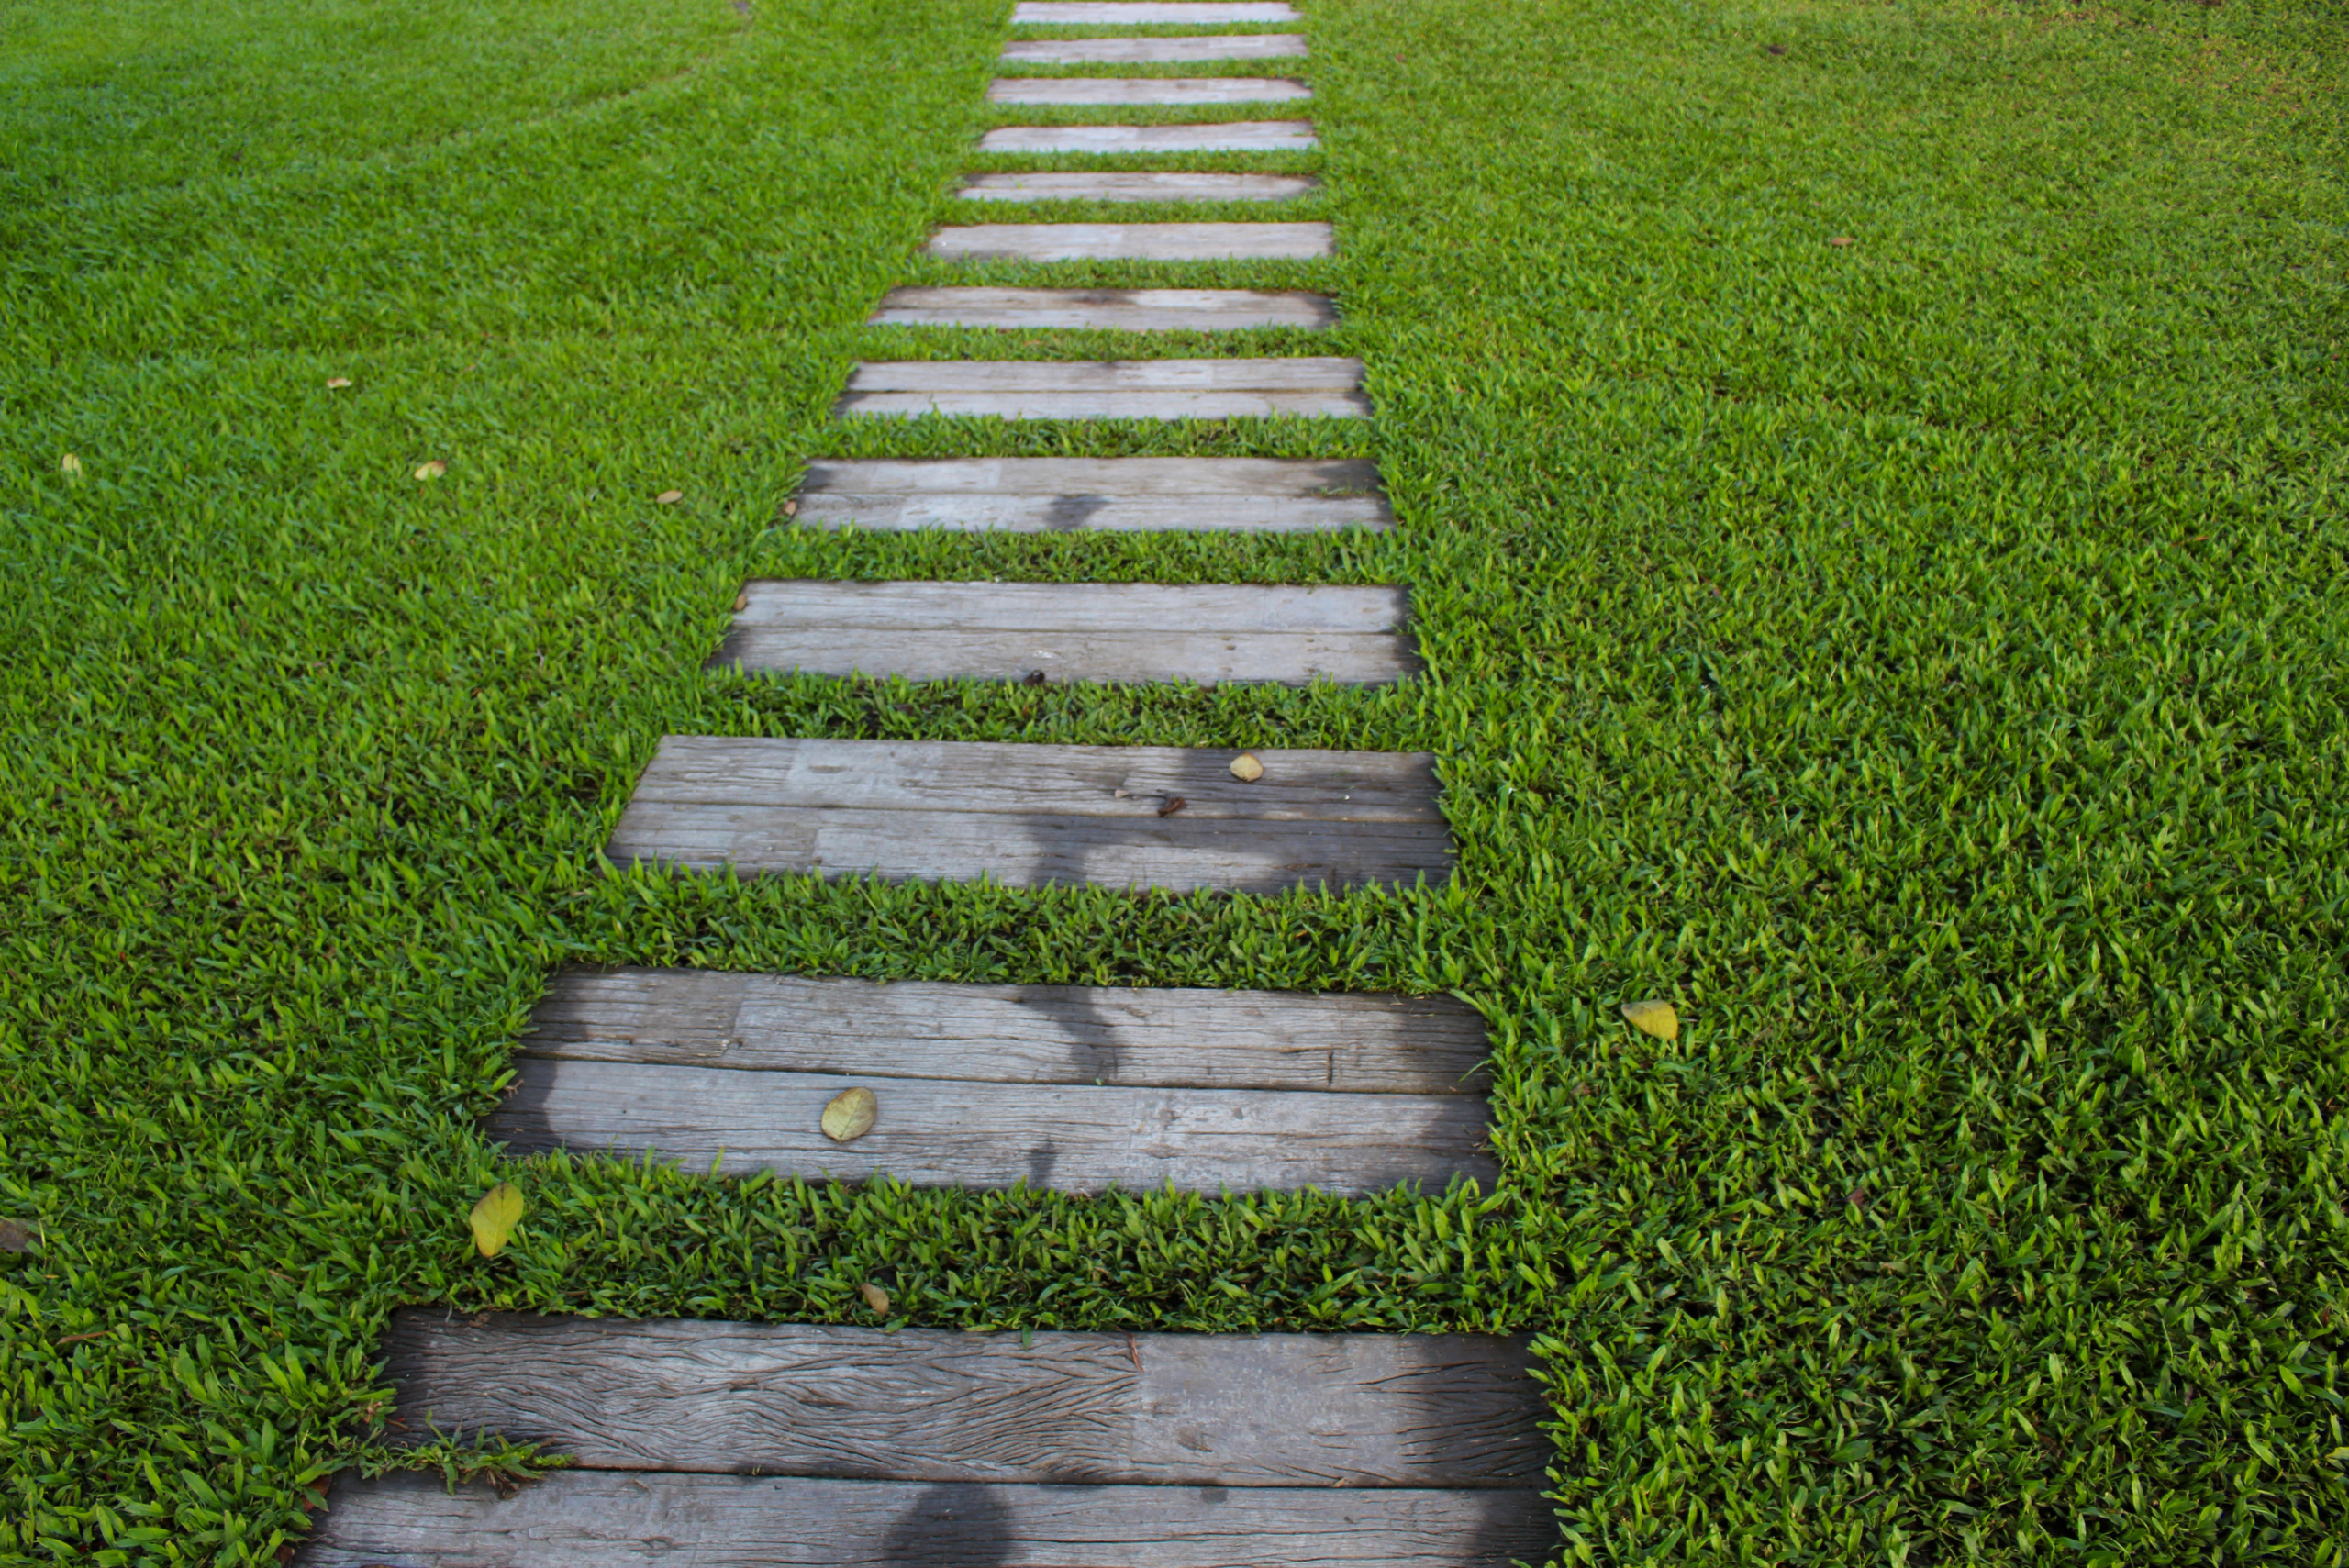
[1920, 658]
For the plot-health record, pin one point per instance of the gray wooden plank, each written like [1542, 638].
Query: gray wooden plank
[1116, 784]
[805, 602]
[931, 1132]
[1132, 242]
[1131, 1036]
[1120, 310]
[1154, 50]
[927, 1405]
[1243, 136]
[1135, 186]
[592, 1518]
[1108, 657]
[1100, 495]
[1311, 387]
[1149, 13]
[1146, 90]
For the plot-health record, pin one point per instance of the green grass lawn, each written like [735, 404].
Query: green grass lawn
[1920, 658]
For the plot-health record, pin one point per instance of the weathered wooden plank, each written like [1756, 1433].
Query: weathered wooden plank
[1313, 388]
[1116, 784]
[806, 604]
[1132, 242]
[1134, 1036]
[1073, 632]
[1100, 495]
[1146, 90]
[1154, 51]
[1150, 13]
[963, 1133]
[1242, 136]
[1121, 310]
[1227, 1411]
[600, 1518]
[1136, 186]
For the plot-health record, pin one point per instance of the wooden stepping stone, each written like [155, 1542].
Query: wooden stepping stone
[1145, 90]
[1067, 1088]
[749, 1443]
[1119, 310]
[1240, 136]
[1132, 242]
[1107, 389]
[1154, 51]
[1048, 495]
[1135, 187]
[1032, 816]
[1149, 13]
[1206, 633]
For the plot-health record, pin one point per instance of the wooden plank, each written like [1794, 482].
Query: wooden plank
[1130, 1036]
[592, 1518]
[1118, 784]
[1206, 633]
[1100, 494]
[1132, 242]
[1122, 310]
[1154, 51]
[1227, 1411]
[1242, 136]
[1311, 387]
[1136, 186]
[963, 1133]
[1150, 13]
[1146, 90]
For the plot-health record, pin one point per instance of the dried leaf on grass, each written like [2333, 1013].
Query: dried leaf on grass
[17, 1235]
[668, 498]
[876, 1298]
[851, 1115]
[494, 1217]
[1658, 1018]
[337, 382]
[432, 470]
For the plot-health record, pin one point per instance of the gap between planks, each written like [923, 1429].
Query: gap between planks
[1098, 495]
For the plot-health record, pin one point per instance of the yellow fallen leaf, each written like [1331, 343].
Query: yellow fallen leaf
[1246, 769]
[494, 1217]
[70, 466]
[432, 470]
[668, 498]
[338, 380]
[742, 600]
[850, 1116]
[876, 1298]
[1657, 1018]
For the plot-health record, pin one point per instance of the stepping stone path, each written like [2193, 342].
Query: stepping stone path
[750, 1443]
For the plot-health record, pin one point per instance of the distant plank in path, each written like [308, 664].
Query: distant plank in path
[1132, 242]
[1031, 816]
[1312, 386]
[1240, 136]
[1154, 51]
[1150, 13]
[605, 1519]
[1145, 90]
[1346, 1042]
[1204, 632]
[1118, 310]
[1227, 1411]
[1098, 494]
[1136, 186]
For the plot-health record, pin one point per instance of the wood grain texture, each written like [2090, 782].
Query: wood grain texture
[1130, 1036]
[1242, 136]
[614, 1520]
[1118, 310]
[956, 1133]
[1100, 494]
[1136, 186]
[1230, 1410]
[1154, 51]
[1316, 386]
[1150, 13]
[1133, 242]
[1073, 632]
[1146, 90]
